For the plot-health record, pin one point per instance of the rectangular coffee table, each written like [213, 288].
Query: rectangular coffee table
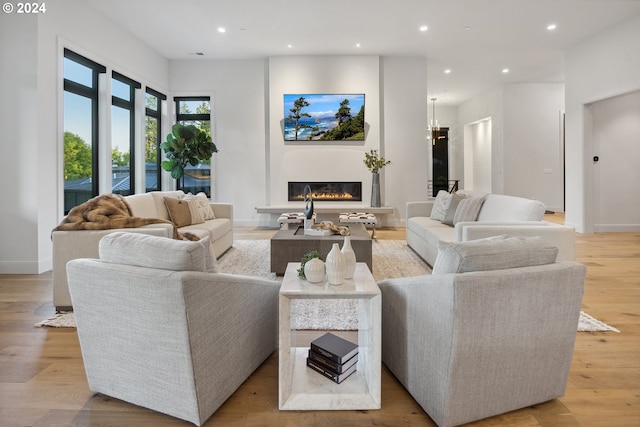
[301, 388]
[291, 245]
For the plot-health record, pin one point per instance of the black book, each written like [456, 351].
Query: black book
[334, 348]
[337, 378]
[330, 364]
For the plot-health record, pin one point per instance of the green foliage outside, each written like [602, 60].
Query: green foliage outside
[77, 157]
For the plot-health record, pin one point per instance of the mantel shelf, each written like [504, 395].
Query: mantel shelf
[330, 208]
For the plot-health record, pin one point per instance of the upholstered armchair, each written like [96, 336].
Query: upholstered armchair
[472, 344]
[157, 329]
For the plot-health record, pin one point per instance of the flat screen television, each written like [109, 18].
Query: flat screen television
[324, 117]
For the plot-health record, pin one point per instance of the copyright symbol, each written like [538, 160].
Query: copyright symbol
[7, 8]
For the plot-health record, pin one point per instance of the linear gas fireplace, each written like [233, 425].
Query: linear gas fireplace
[330, 191]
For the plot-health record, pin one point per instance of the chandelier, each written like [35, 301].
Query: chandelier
[434, 128]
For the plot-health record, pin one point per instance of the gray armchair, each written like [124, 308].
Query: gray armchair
[472, 345]
[178, 342]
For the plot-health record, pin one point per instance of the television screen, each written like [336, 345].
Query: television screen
[323, 117]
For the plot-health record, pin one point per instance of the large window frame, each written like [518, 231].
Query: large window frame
[129, 106]
[156, 115]
[197, 177]
[91, 93]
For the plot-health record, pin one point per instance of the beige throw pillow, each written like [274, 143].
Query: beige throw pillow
[453, 207]
[201, 204]
[179, 212]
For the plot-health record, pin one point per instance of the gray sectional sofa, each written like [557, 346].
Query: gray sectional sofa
[68, 245]
[497, 214]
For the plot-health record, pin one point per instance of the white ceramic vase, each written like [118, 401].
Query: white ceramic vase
[349, 257]
[336, 265]
[314, 270]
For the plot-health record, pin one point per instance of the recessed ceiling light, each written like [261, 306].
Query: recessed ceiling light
[505, 70]
[196, 54]
[467, 28]
[424, 28]
[447, 71]
[357, 44]
[289, 46]
[222, 30]
[551, 27]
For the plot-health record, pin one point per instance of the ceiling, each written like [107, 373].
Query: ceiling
[474, 39]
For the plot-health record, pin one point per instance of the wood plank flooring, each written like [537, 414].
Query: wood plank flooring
[43, 384]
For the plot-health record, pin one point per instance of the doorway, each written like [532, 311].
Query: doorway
[440, 160]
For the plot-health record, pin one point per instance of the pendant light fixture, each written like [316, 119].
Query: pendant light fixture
[434, 128]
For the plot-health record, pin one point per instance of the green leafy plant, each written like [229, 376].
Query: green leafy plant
[307, 257]
[186, 145]
[374, 162]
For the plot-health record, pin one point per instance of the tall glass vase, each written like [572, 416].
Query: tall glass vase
[375, 191]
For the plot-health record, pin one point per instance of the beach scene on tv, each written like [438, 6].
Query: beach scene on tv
[323, 117]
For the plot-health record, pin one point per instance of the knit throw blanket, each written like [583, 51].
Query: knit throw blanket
[106, 212]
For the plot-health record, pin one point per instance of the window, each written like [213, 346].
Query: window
[153, 137]
[80, 129]
[196, 110]
[123, 119]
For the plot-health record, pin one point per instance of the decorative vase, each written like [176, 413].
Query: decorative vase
[349, 257]
[314, 270]
[336, 265]
[375, 191]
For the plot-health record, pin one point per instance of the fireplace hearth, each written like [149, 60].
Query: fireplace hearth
[330, 191]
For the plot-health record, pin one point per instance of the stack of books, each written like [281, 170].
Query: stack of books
[333, 357]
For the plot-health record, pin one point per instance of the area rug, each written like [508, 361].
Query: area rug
[390, 258]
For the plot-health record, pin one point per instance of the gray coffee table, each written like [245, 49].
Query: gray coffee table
[291, 245]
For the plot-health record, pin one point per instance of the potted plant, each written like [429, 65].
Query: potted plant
[374, 163]
[185, 145]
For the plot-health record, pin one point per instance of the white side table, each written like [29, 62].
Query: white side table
[301, 388]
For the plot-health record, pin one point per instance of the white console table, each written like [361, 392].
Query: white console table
[301, 388]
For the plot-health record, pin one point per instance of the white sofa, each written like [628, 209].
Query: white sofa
[68, 245]
[499, 215]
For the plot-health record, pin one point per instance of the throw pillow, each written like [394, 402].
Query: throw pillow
[145, 250]
[453, 206]
[440, 205]
[202, 205]
[496, 253]
[194, 207]
[468, 209]
[179, 212]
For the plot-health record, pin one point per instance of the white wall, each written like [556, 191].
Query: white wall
[255, 164]
[533, 165]
[616, 142]
[487, 106]
[32, 108]
[601, 67]
[526, 143]
[238, 91]
[404, 101]
[337, 161]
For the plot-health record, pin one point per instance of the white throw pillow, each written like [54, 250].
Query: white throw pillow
[468, 210]
[493, 253]
[144, 250]
[440, 205]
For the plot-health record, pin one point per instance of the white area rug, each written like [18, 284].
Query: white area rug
[391, 259]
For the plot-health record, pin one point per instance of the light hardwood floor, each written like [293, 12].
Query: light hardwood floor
[42, 379]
